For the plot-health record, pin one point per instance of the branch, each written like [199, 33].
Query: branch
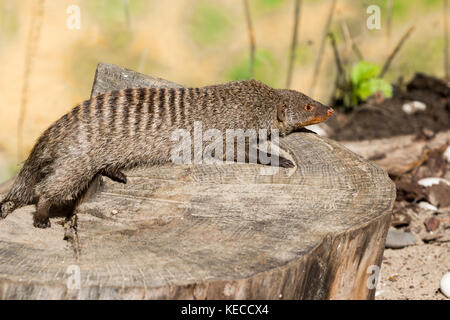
[357, 51]
[446, 59]
[395, 51]
[337, 58]
[321, 49]
[251, 37]
[126, 9]
[389, 18]
[348, 41]
[340, 84]
[294, 42]
[32, 41]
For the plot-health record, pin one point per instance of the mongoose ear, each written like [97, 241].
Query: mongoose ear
[281, 112]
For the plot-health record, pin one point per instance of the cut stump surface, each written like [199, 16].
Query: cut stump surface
[219, 231]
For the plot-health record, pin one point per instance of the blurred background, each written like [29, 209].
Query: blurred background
[48, 63]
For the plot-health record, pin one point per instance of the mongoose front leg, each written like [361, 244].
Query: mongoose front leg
[282, 162]
[114, 175]
[41, 218]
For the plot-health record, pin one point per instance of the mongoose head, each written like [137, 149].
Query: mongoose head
[297, 110]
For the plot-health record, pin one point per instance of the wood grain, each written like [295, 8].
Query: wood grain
[219, 231]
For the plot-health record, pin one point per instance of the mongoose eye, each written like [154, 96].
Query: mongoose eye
[309, 107]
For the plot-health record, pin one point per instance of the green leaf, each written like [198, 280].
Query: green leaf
[371, 86]
[363, 71]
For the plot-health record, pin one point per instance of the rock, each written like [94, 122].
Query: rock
[439, 195]
[413, 107]
[445, 284]
[400, 219]
[428, 182]
[427, 206]
[431, 223]
[432, 236]
[447, 154]
[398, 239]
[427, 134]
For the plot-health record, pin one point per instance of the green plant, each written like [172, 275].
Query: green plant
[365, 82]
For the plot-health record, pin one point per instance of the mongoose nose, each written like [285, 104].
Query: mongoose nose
[330, 111]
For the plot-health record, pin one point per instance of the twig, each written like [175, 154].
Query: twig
[33, 39]
[389, 19]
[357, 51]
[126, 8]
[348, 42]
[340, 84]
[251, 37]
[142, 59]
[337, 58]
[321, 49]
[395, 51]
[294, 42]
[446, 59]
[351, 42]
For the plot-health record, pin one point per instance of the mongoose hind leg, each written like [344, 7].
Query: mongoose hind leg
[65, 185]
[41, 218]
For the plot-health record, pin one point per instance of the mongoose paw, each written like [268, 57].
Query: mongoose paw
[42, 223]
[116, 175]
[305, 130]
[6, 208]
[121, 177]
[285, 163]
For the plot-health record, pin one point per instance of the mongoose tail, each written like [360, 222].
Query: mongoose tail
[22, 190]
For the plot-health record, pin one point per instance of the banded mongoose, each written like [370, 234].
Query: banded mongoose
[132, 127]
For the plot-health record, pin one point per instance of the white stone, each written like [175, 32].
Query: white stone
[428, 182]
[413, 107]
[445, 284]
[427, 206]
[447, 154]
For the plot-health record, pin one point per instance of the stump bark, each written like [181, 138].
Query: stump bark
[219, 231]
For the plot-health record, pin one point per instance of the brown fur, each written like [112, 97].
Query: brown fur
[132, 127]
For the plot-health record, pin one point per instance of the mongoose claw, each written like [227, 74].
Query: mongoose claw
[6, 208]
[285, 163]
[114, 175]
[42, 223]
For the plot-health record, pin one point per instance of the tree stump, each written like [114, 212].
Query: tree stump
[219, 231]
